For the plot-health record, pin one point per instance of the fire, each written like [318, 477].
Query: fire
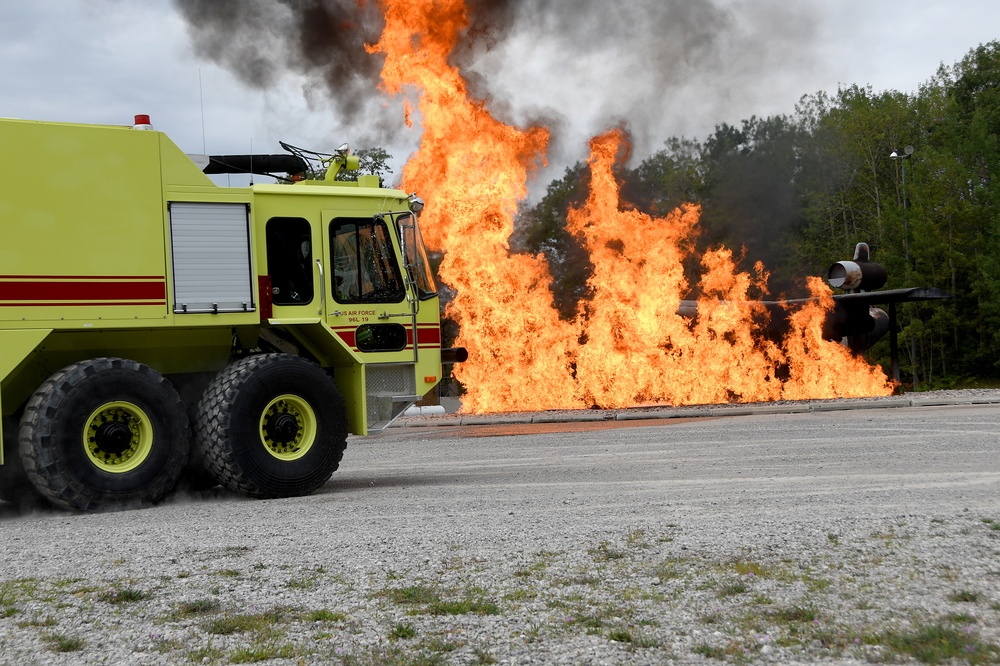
[628, 343]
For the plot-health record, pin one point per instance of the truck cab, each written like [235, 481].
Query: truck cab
[155, 325]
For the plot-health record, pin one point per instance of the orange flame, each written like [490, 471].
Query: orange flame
[628, 344]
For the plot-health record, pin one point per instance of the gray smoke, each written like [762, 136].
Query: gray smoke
[664, 67]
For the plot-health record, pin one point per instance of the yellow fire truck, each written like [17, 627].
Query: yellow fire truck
[155, 325]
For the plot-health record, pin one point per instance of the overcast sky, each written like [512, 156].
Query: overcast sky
[103, 61]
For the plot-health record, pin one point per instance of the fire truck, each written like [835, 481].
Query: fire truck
[155, 326]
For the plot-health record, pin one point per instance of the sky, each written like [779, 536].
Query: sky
[103, 61]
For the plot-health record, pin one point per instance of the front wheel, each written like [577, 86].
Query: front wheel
[104, 434]
[272, 425]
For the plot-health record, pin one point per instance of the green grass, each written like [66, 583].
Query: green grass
[62, 643]
[124, 595]
[306, 582]
[793, 615]
[468, 606]
[38, 621]
[413, 594]
[732, 589]
[604, 552]
[404, 631]
[709, 651]
[238, 624]
[208, 654]
[261, 652]
[936, 643]
[15, 591]
[472, 602]
[965, 596]
[189, 609]
[324, 615]
[394, 656]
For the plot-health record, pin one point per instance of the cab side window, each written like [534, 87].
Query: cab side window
[364, 264]
[289, 260]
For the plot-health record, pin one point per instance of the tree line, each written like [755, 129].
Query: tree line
[914, 175]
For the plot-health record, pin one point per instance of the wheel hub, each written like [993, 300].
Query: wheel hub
[282, 427]
[118, 437]
[113, 437]
[288, 427]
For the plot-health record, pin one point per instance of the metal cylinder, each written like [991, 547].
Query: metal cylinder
[454, 355]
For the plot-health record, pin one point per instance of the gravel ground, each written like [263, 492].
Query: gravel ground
[857, 536]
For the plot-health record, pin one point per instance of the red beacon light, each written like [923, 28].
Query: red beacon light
[142, 122]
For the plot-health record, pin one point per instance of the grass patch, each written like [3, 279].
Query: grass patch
[394, 656]
[731, 590]
[402, 631]
[14, 591]
[935, 644]
[604, 552]
[709, 651]
[189, 609]
[124, 595]
[413, 594]
[636, 538]
[468, 606]
[474, 603]
[38, 621]
[62, 643]
[324, 615]
[965, 596]
[483, 657]
[671, 568]
[261, 652]
[237, 624]
[520, 595]
[793, 615]
[205, 655]
[307, 582]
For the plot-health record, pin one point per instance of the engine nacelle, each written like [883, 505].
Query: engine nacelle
[861, 274]
[857, 275]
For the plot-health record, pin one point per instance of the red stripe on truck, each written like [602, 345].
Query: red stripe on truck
[90, 291]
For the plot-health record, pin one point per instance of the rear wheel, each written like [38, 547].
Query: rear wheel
[272, 425]
[14, 484]
[104, 434]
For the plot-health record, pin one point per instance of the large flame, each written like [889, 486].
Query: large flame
[628, 344]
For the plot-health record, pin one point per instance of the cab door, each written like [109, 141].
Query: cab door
[293, 245]
[366, 303]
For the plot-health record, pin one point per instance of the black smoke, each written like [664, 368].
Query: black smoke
[664, 67]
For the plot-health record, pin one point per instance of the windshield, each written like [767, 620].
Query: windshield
[364, 268]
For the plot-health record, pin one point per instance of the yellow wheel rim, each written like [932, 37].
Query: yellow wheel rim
[118, 437]
[288, 427]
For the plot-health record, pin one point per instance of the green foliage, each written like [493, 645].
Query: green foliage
[798, 191]
[373, 161]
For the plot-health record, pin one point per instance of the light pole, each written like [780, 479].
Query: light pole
[894, 156]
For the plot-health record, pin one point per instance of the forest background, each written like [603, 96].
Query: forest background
[799, 191]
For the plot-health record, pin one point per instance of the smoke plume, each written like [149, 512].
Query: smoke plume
[666, 67]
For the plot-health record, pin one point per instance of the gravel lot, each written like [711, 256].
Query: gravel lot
[853, 536]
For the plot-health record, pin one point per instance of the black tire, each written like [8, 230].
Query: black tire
[14, 484]
[272, 425]
[103, 435]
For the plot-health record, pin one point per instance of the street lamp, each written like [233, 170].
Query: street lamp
[907, 152]
[894, 156]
